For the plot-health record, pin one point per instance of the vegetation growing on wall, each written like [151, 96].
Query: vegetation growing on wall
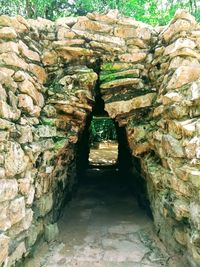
[155, 12]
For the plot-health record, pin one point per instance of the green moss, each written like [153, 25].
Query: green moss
[118, 75]
[117, 66]
[48, 121]
[107, 66]
[60, 143]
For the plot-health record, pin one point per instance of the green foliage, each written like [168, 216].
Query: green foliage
[102, 129]
[155, 12]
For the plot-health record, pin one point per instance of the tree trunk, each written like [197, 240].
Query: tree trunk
[29, 9]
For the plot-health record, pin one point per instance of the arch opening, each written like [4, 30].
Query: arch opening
[123, 165]
[48, 74]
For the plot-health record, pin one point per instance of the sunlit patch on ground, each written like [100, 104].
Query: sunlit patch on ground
[104, 153]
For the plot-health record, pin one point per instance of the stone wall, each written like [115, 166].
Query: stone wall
[148, 78]
[169, 135]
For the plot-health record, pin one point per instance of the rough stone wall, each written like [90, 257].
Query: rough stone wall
[42, 112]
[148, 78]
[169, 135]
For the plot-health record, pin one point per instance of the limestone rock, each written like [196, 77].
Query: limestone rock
[46, 131]
[172, 147]
[51, 232]
[100, 38]
[23, 224]
[39, 72]
[11, 59]
[44, 205]
[133, 57]
[24, 186]
[31, 195]
[181, 209]
[67, 21]
[176, 27]
[7, 125]
[15, 22]
[25, 133]
[182, 128]
[185, 52]
[70, 53]
[121, 107]
[41, 24]
[7, 71]
[183, 14]
[5, 222]
[26, 52]
[180, 236]
[7, 33]
[109, 48]
[15, 159]
[120, 83]
[109, 18]
[183, 75]
[17, 254]
[178, 61]
[7, 80]
[171, 97]
[49, 58]
[25, 103]
[137, 42]
[17, 210]
[28, 88]
[49, 111]
[192, 147]
[7, 112]
[195, 214]
[140, 148]
[65, 33]
[35, 231]
[4, 136]
[3, 95]
[9, 47]
[8, 189]
[130, 32]
[181, 188]
[179, 43]
[83, 23]
[193, 175]
[4, 243]
[71, 42]
[194, 91]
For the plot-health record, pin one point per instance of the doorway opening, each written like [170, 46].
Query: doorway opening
[103, 142]
[104, 155]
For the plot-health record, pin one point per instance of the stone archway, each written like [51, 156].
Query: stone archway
[149, 81]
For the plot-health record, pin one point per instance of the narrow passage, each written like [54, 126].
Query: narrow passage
[103, 227]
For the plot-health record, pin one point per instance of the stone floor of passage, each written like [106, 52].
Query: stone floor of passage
[103, 226]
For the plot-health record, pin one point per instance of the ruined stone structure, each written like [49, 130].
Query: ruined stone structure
[149, 79]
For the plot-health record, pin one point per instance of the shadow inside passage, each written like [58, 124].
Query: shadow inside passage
[108, 183]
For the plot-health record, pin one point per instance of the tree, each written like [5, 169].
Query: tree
[155, 12]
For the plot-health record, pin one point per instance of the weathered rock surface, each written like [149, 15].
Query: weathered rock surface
[150, 83]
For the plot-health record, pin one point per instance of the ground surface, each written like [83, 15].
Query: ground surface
[103, 227]
[106, 153]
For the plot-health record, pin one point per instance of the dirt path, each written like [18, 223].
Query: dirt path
[103, 227]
